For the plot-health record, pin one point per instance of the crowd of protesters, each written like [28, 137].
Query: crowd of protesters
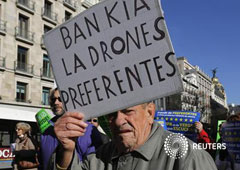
[29, 154]
[224, 159]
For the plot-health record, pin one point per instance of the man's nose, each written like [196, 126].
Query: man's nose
[57, 101]
[120, 118]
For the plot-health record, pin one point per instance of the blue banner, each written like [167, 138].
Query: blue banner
[163, 123]
[180, 122]
[231, 136]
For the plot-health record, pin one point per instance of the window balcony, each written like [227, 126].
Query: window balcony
[87, 3]
[23, 68]
[2, 63]
[47, 74]
[42, 43]
[65, 19]
[3, 27]
[26, 5]
[21, 100]
[49, 16]
[24, 35]
[70, 4]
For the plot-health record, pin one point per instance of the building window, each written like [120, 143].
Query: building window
[45, 95]
[4, 138]
[162, 103]
[23, 26]
[24, 2]
[48, 9]
[21, 92]
[22, 58]
[68, 15]
[46, 66]
[48, 14]
[46, 28]
[0, 11]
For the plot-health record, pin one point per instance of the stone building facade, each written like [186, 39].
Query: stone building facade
[196, 94]
[25, 70]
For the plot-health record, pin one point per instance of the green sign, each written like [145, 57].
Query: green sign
[43, 118]
[219, 123]
[103, 121]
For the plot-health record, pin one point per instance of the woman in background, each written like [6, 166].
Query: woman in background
[25, 150]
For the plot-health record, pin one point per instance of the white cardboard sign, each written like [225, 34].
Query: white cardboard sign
[114, 55]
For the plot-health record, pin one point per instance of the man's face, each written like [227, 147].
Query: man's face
[57, 106]
[131, 127]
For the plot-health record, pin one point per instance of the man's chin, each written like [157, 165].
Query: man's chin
[125, 145]
[58, 112]
[126, 138]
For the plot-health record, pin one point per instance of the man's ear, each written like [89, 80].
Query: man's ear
[151, 111]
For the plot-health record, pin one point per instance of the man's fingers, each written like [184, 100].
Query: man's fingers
[77, 115]
[73, 118]
[74, 127]
[70, 134]
[70, 125]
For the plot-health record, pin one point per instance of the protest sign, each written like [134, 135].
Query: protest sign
[162, 122]
[231, 136]
[180, 122]
[114, 55]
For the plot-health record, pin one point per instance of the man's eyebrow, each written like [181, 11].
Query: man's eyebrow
[127, 110]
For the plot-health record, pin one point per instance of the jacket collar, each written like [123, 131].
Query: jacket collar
[149, 147]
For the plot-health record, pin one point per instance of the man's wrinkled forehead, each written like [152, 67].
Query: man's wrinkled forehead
[113, 114]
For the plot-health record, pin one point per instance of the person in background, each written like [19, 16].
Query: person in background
[235, 117]
[225, 159]
[94, 121]
[25, 151]
[137, 143]
[104, 137]
[202, 134]
[85, 144]
[203, 138]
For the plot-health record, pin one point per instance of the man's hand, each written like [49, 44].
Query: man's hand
[199, 126]
[67, 128]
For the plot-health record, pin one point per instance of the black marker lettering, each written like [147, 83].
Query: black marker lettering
[95, 25]
[170, 63]
[109, 16]
[104, 51]
[107, 83]
[65, 68]
[76, 34]
[78, 63]
[134, 75]
[65, 36]
[119, 81]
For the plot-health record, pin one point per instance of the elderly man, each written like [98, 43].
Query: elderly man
[85, 144]
[138, 143]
